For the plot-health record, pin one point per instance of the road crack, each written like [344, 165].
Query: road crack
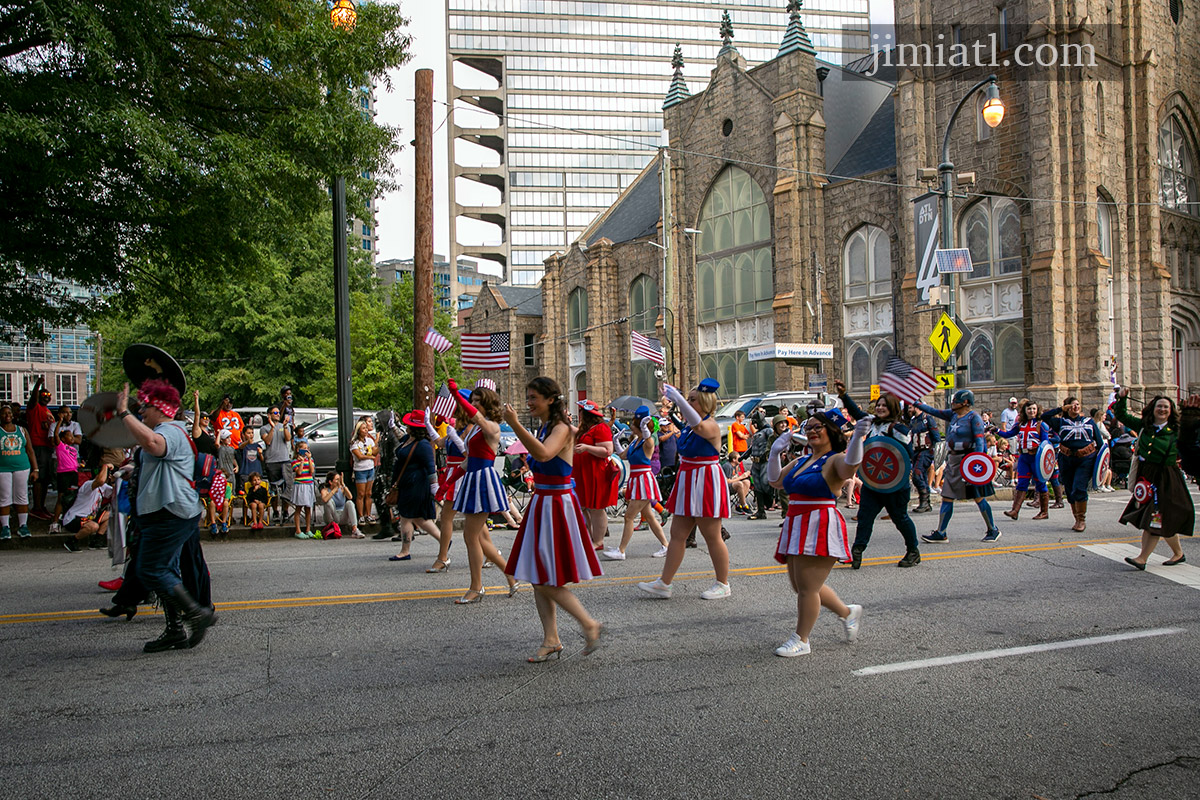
[1178, 761]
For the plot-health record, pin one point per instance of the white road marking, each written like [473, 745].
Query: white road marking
[986, 655]
[1184, 573]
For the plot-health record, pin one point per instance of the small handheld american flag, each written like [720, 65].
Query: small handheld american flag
[646, 347]
[443, 404]
[905, 381]
[438, 342]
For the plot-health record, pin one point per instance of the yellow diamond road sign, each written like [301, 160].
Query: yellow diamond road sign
[945, 337]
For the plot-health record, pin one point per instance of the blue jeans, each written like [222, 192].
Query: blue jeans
[920, 470]
[871, 503]
[1076, 475]
[163, 538]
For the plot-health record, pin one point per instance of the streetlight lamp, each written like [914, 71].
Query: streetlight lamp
[342, 16]
[993, 114]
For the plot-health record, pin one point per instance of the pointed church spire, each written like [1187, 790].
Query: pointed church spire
[726, 34]
[796, 38]
[679, 89]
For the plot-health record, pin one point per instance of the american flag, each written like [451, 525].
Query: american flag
[485, 350]
[443, 404]
[438, 342]
[905, 381]
[646, 347]
[485, 383]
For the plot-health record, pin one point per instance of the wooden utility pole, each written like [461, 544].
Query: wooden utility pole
[423, 381]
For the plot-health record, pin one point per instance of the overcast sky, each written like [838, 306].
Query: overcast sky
[427, 25]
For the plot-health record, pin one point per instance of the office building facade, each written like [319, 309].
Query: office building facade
[556, 105]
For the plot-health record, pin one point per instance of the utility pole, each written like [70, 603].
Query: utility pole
[667, 227]
[423, 239]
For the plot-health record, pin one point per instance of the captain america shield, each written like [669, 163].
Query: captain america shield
[1143, 490]
[622, 470]
[978, 469]
[885, 465]
[1101, 469]
[1045, 462]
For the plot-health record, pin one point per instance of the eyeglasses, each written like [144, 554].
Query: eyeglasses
[813, 428]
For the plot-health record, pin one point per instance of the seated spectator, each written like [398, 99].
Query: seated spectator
[257, 499]
[338, 504]
[87, 517]
[739, 481]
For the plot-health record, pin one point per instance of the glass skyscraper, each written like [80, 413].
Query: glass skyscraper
[557, 104]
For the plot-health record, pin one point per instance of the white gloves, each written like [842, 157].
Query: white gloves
[645, 426]
[453, 436]
[774, 462]
[429, 429]
[854, 450]
[690, 415]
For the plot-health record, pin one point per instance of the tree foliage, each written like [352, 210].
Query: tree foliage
[177, 143]
[250, 337]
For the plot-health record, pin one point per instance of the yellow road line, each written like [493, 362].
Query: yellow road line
[438, 594]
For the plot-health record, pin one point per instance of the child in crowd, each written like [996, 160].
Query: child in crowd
[227, 493]
[66, 437]
[250, 455]
[304, 489]
[257, 500]
[227, 457]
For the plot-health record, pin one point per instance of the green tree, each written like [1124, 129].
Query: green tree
[154, 142]
[251, 336]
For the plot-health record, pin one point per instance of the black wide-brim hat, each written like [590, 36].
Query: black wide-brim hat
[145, 361]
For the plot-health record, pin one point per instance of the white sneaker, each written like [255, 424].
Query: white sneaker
[717, 591]
[793, 647]
[660, 552]
[850, 622]
[613, 554]
[657, 588]
[55, 527]
[358, 534]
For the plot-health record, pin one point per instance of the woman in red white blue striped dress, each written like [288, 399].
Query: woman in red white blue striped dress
[642, 489]
[552, 548]
[814, 535]
[479, 491]
[700, 496]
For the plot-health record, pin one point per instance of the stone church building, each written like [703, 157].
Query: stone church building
[791, 191]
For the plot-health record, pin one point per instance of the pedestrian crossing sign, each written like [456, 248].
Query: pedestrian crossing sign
[945, 337]
[945, 381]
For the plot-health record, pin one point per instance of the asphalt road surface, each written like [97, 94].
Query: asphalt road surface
[1040, 666]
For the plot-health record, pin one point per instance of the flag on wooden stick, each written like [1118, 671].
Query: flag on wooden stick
[905, 381]
[438, 342]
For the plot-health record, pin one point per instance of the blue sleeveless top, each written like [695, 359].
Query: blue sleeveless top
[636, 454]
[693, 446]
[555, 467]
[808, 481]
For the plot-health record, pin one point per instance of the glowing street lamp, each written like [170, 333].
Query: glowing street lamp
[343, 15]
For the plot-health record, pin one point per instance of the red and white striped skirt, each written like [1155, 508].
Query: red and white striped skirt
[814, 527]
[449, 478]
[553, 547]
[642, 485]
[700, 489]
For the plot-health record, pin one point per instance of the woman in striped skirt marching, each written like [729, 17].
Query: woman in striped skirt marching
[552, 548]
[642, 490]
[814, 535]
[456, 456]
[700, 496]
[479, 492]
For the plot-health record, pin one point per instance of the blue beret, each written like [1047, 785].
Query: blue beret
[642, 411]
[708, 385]
[466, 395]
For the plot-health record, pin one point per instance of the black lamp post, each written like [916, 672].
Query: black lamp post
[993, 113]
[342, 16]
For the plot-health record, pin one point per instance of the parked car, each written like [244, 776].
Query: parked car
[770, 404]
